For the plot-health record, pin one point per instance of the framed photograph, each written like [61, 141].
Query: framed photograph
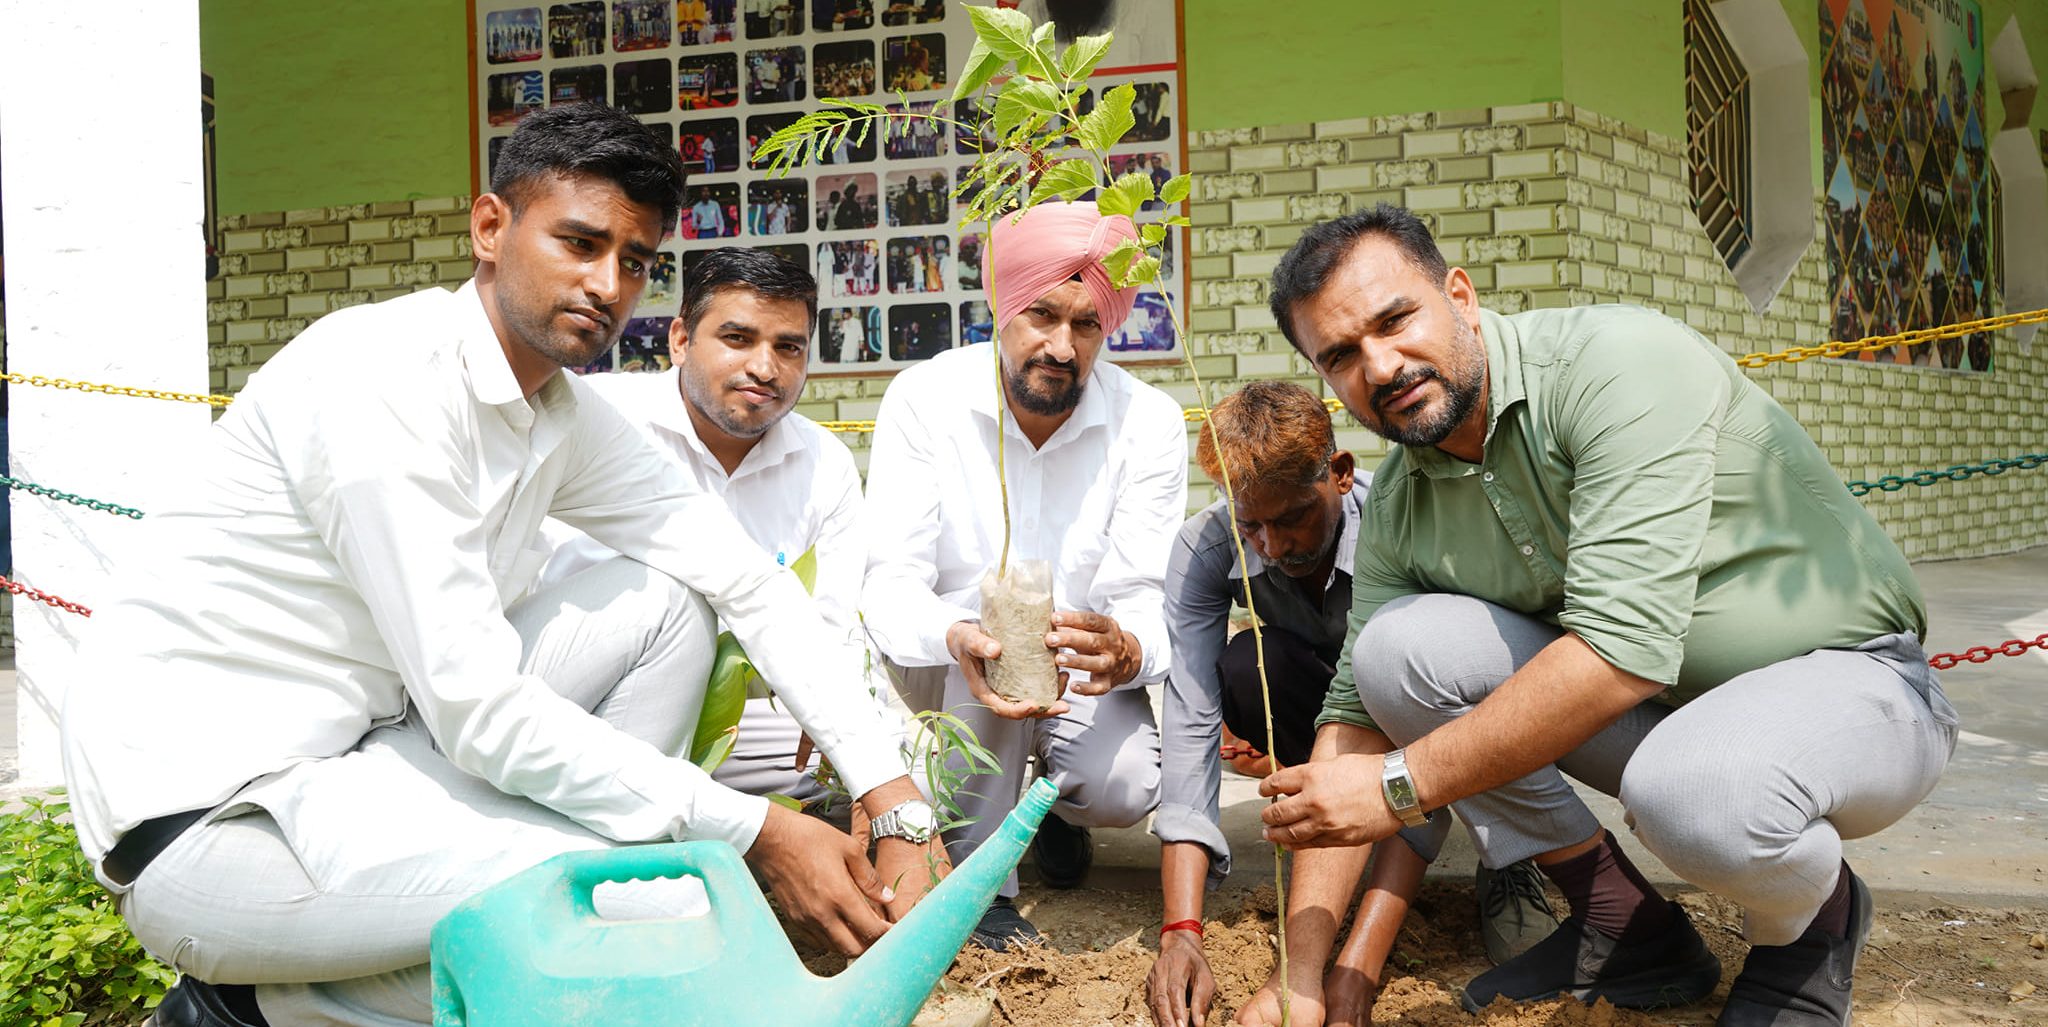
[877, 217]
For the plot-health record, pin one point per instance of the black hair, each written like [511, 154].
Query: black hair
[744, 267]
[591, 139]
[1305, 269]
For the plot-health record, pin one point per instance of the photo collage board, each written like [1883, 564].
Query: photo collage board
[899, 278]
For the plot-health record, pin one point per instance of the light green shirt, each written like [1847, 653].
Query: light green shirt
[1640, 492]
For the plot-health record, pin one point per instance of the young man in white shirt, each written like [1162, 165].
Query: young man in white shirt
[1097, 486]
[328, 706]
[723, 413]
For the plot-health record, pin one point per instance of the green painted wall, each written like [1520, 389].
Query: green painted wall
[1624, 58]
[352, 102]
[1289, 61]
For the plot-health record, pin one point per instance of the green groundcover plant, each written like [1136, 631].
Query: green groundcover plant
[66, 957]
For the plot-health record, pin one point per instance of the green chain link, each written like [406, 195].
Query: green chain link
[1960, 472]
[66, 497]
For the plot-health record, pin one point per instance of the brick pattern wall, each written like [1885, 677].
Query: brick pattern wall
[281, 270]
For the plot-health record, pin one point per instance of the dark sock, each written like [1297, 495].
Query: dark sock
[1833, 917]
[1609, 893]
[241, 1001]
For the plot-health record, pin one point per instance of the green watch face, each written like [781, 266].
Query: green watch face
[1401, 793]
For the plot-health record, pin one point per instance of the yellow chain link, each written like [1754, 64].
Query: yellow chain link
[116, 390]
[1916, 337]
[1796, 354]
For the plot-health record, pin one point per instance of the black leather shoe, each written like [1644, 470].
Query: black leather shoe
[1063, 853]
[1002, 927]
[1806, 983]
[194, 1003]
[1670, 969]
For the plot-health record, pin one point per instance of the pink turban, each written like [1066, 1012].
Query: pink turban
[1050, 244]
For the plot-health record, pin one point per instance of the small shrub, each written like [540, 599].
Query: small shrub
[66, 957]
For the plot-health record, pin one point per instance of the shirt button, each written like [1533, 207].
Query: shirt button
[1528, 550]
[1488, 476]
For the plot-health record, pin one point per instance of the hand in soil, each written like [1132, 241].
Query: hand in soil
[1180, 986]
[1304, 1008]
[1109, 654]
[1348, 997]
[1332, 802]
[970, 646]
[821, 878]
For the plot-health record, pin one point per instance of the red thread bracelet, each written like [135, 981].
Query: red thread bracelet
[1182, 925]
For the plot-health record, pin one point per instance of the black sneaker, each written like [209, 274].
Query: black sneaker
[1063, 853]
[1670, 969]
[1514, 913]
[1003, 928]
[1806, 983]
[194, 1003]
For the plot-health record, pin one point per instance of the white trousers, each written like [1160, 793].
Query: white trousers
[321, 884]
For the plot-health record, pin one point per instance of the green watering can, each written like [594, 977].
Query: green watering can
[531, 952]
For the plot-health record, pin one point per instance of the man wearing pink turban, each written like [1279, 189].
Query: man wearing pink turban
[1095, 464]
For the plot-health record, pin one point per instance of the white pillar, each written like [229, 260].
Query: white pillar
[100, 120]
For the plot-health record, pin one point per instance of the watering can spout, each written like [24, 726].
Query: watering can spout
[893, 977]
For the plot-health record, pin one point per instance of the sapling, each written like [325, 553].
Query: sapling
[1037, 126]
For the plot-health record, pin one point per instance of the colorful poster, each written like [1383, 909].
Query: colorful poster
[1911, 200]
[899, 279]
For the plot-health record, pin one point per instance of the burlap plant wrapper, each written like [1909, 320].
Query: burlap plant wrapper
[1016, 611]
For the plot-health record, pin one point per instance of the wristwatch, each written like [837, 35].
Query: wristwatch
[911, 820]
[1399, 790]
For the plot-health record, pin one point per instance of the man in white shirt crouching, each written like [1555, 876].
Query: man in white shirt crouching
[1097, 486]
[723, 412]
[327, 706]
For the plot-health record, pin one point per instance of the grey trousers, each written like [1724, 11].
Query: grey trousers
[1103, 754]
[322, 884]
[1746, 791]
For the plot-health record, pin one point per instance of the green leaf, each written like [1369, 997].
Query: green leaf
[1118, 261]
[982, 65]
[718, 751]
[1175, 189]
[1126, 195]
[1143, 271]
[1150, 235]
[1006, 30]
[1020, 100]
[806, 568]
[1105, 126]
[1177, 219]
[1066, 180]
[1080, 59]
[787, 802]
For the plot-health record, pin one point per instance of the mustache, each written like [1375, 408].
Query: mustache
[749, 382]
[1299, 560]
[1070, 366]
[1405, 381]
[603, 319]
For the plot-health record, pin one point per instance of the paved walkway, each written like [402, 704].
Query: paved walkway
[1982, 834]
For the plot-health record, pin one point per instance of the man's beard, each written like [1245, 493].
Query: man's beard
[537, 331]
[700, 395]
[1044, 404]
[1306, 562]
[1467, 378]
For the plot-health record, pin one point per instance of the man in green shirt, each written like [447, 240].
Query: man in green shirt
[1600, 550]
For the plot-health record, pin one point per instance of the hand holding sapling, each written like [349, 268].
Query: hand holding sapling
[972, 648]
[1109, 654]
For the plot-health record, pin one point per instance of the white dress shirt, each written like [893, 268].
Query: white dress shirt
[1101, 501]
[796, 489]
[347, 548]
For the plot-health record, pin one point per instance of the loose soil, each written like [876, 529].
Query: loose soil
[1926, 965]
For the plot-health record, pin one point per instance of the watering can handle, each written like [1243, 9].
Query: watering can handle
[718, 864]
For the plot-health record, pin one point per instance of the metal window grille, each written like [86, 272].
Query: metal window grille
[1717, 132]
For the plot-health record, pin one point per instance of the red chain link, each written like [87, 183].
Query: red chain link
[41, 596]
[1983, 653]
